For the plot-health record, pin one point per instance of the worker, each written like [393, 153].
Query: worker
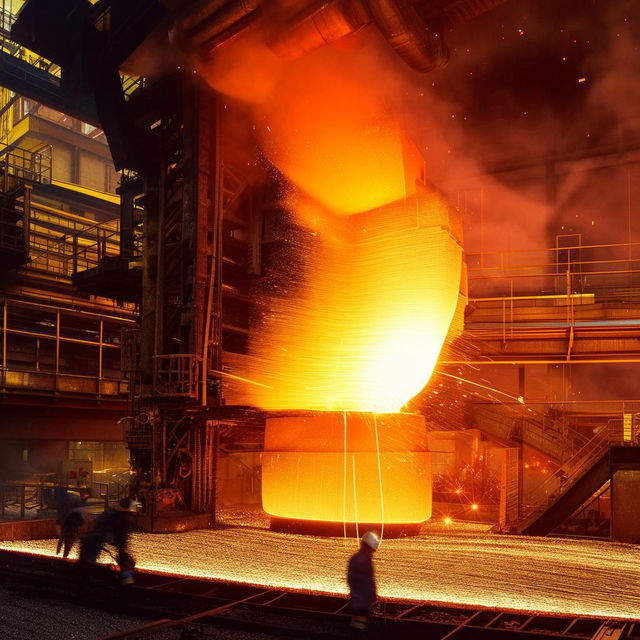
[112, 528]
[66, 501]
[71, 526]
[362, 584]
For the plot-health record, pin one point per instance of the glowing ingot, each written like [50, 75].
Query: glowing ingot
[347, 467]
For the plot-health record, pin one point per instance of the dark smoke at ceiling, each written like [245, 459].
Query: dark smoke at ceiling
[532, 69]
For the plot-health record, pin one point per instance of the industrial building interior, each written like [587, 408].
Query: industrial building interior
[283, 271]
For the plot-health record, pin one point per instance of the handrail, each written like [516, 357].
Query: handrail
[556, 249]
[568, 473]
[24, 164]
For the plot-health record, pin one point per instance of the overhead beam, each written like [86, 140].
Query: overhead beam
[41, 86]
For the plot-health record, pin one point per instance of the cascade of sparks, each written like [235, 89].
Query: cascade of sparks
[370, 273]
[363, 329]
[362, 287]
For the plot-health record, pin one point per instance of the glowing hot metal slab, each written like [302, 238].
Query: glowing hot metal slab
[459, 565]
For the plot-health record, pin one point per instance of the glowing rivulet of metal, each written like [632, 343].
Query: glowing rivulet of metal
[344, 493]
[375, 425]
[355, 495]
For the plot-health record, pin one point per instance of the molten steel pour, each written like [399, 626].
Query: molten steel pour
[461, 564]
[366, 294]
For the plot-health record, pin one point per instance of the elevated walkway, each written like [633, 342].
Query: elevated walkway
[508, 425]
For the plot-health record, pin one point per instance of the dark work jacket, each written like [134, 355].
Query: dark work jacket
[362, 582]
[112, 527]
[115, 527]
[74, 520]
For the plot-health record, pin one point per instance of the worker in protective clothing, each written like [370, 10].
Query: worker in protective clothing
[112, 528]
[70, 529]
[72, 516]
[362, 584]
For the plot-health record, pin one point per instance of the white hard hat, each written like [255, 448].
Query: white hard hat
[371, 540]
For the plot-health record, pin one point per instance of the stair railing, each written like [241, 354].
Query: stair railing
[562, 479]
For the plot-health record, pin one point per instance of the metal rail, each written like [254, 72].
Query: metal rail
[178, 602]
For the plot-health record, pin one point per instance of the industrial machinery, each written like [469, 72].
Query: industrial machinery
[196, 206]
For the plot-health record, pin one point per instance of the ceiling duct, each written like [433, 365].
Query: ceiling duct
[320, 24]
[420, 47]
[414, 28]
[208, 23]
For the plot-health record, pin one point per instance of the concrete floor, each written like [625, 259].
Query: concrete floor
[26, 617]
[459, 563]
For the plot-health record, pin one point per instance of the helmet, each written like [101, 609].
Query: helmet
[371, 540]
[127, 504]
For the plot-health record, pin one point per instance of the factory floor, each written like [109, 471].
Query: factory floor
[26, 616]
[458, 563]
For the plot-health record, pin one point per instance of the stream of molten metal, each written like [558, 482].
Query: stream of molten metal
[377, 274]
[363, 286]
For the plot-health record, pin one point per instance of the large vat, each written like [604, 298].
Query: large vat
[329, 472]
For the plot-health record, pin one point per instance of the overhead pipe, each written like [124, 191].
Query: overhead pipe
[205, 24]
[194, 13]
[420, 47]
[410, 36]
[317, 25]
[222, 24]
[412, 27]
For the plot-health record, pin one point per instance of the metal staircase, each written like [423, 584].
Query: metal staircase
[574, 483]
[19, 169]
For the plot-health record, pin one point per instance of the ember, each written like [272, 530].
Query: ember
[380, 267]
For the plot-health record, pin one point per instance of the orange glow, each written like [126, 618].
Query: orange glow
[326, 467]
[474, 507]
[374, 279]
[364, 331]
[448, 520]
[334, 137]
[245, 67]
[381, 266]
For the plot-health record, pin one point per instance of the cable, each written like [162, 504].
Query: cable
[375, 425]
[355, 496]
[344, 475]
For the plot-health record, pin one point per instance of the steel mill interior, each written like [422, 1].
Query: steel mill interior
[283, 272]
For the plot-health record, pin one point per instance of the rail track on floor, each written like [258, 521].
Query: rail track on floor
[191, 605]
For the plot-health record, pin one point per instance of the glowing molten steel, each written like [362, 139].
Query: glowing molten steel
[368, 286]
[363, 330]
[354, 467]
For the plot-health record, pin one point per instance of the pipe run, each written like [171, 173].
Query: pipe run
[412, 27]
[421, 48]
[208, 23]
